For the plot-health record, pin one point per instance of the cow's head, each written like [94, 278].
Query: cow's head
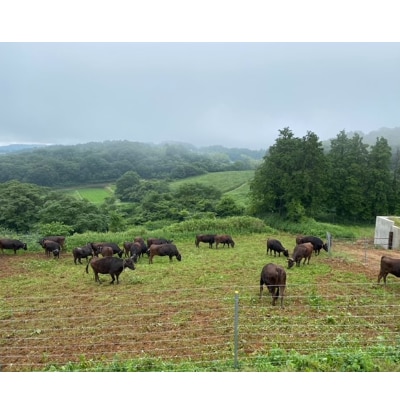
[290, 262]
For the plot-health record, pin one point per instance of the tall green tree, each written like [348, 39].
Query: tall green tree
[379, 190]
[291, 176]
[347, 176]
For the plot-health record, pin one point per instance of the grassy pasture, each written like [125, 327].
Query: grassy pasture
[94, 193]
[180, 315]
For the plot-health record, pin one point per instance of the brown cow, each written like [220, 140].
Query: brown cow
[300, 252]
[109, 265]
[389, 265]
[165, 249]
[224, 239]
[208, 238]
[274, 277]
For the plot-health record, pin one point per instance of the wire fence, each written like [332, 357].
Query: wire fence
[238, 328]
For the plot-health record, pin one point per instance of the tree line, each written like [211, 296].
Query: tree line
[61, 166]
[352, 181]
[298, 178]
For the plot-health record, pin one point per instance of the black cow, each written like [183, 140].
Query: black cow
[277, 247]
[51, 247]
[82, 252]
[300, 252]
[210, 239]
[166, 249]
[274, 277]
[58, 239]
[12, 244]
[99, 245]
[224, 239]
[316, 242]
[109, 265]
[135, 251]
[389, 265]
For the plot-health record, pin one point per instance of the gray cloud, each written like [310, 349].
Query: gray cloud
[232, 94]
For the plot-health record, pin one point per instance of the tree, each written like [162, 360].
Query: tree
[20, 205]
[292, 173]
[127, 184]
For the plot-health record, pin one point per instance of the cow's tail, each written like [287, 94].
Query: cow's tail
[87, 265]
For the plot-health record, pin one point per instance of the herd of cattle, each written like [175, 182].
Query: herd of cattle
[272, 276]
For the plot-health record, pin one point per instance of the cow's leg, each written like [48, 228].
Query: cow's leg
[96, 277]
[113, 279]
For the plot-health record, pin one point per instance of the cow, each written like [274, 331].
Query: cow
[97, 246]
[209, 238]
[389, 265]
[135, 251]
[82, 252]
[109, 265]
[274, 277]
[12, 244]
[165, 249]
[277, 247]
[300, 252]
[127, 248]
[51, 246]
[58, 239]
[224, 239]
[151, 241]
[107, 251]
[142, 244]
[316, 242]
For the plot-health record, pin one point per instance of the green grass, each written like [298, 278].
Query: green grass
[94, 193]
[330, 322]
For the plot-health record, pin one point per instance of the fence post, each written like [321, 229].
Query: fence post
[236, 330]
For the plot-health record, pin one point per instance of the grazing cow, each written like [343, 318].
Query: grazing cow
[224, 239]
[58, 239]
[316, 242]
[12, 244]
[389, 265]
[99, 245]
[151, 241]
[210, 239]
[127, 248]
[142, 244]
[82, 252]
[107, 251]
[109, 265]
[165, 249]
[276, 246]
[51, 247]
[135, 251]
[301, 251]
[274, 277]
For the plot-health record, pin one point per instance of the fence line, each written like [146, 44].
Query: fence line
[196, 330]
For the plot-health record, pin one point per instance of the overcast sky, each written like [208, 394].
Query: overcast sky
[205, 93]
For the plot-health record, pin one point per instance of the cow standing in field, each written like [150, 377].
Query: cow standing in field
[274, 277]
[12, 244]
[389, 265]
[166, 249]
[51, 247]
[300, 252]
[58, 239]
[276, 246]
[82, 252]
[317, 243]
[109, 265]
[97, 246]
[210, 239]
[224, 239]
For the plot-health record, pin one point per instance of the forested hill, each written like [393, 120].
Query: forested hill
[60, 166]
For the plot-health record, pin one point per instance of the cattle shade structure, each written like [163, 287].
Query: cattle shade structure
[387, 232]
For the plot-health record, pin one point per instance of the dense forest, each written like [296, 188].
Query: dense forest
[61, 166]
[296, 179]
